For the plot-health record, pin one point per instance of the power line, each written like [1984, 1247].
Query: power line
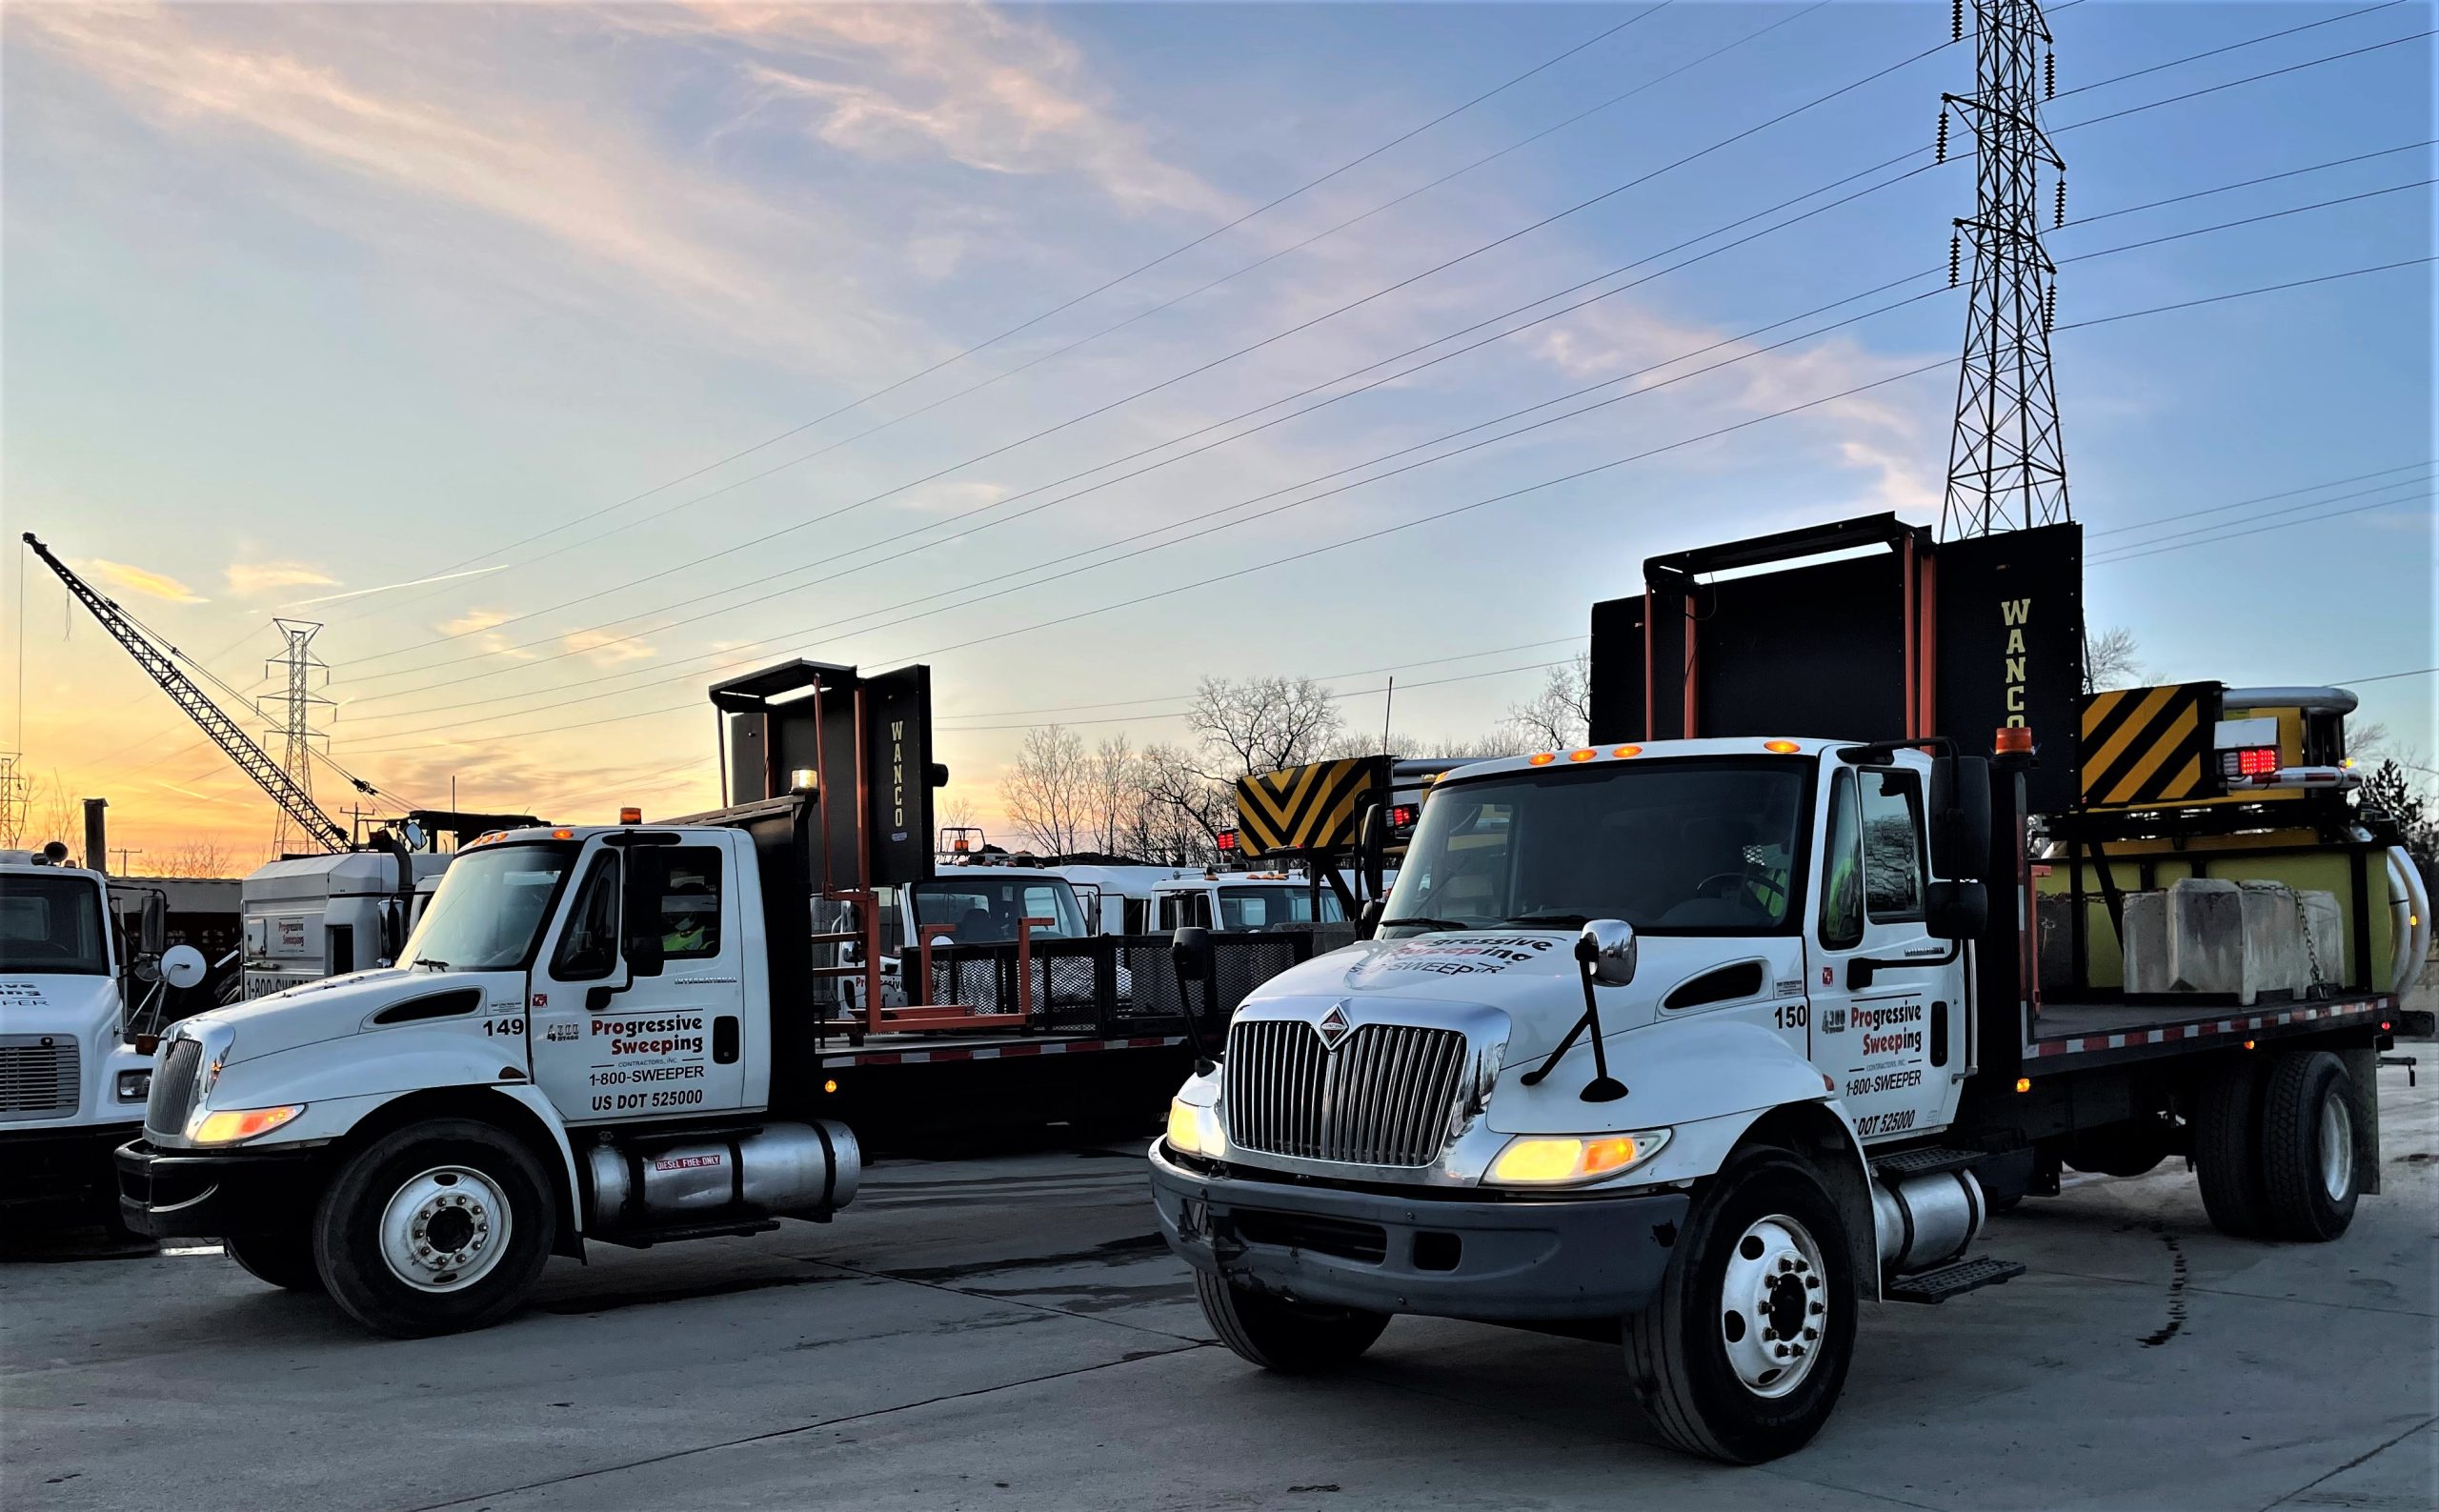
[1305, 325]
[818, 519]
[1099, 288]
[1171, 592]
[2291, 509]
[970, 587]
[2263, 498]
[2233, 47]
[2221, 533]
[2386, 676]
[2255, 78]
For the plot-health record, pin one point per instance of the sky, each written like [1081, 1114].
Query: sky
[560, 358]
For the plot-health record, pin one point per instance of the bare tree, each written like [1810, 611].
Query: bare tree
[1116, 795]
[1049, 795]
[1185, 806]
[202, 856]
[53, 813]
[954, 813]
[1263, 724]
[1560, 715]
[2109, 661]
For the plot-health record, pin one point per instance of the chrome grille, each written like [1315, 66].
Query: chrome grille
[175, 1086]
[37, 1075]
[1387, 1096]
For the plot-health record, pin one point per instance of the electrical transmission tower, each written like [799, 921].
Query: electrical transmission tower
[14, 801]
[301, 671]
[2006, 462]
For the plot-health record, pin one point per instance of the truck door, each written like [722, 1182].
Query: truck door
[609, 1046]
[1890, 1042]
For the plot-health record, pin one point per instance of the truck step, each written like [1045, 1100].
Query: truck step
[1930, 1161]
[1952, 1280]
[647, 1237]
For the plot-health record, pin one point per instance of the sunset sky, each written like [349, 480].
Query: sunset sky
[580, 321]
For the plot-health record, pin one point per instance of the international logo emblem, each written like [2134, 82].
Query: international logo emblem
[1333, 1027]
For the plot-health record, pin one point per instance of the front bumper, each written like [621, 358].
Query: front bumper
[41, 1168]
[184, 1194]
[1526, 1258]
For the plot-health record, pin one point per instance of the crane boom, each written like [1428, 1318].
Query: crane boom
[208, 716]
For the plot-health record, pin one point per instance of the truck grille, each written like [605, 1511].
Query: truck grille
[173, 1088]
[37, 1075]
[1387, 1096]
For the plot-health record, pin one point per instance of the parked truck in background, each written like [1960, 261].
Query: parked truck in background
[72, 1087]
[1693, 1040]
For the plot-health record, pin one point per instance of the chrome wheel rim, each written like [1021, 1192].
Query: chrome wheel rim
[1774, 1306]
[2337, 1147]
[445, 1229]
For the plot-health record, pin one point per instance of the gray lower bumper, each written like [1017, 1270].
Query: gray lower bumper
[1489, 1261]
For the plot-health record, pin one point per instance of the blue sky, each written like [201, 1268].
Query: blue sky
[307, 300]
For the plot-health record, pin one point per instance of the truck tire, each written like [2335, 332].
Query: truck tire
[437, 1228]
[2308, 1148]
[1763, 1252]
[2226, 1148]
[282, 1260]
[1293, 1338]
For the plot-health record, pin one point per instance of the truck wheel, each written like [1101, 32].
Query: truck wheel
[1293, 1338]
[282, 1260]
[2307, 1147]
[1740, 1354]
[437, 1228]
[2227, 1149]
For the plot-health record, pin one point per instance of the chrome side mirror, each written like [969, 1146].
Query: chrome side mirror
[1607, 946]
[182, 966]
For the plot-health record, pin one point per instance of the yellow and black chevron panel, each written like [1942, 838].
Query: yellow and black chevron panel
[2144, 746]
[1309, 808]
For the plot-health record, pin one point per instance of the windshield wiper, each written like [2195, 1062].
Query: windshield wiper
[1553, 921]
[426, 960]
[1420, 923]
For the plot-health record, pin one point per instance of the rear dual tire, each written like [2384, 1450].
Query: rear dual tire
[2273, 1147]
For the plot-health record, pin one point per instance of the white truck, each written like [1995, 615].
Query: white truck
[1695, 1044]
[312, 917]
[73, 1088]
[604, 1033]
[1229, 902]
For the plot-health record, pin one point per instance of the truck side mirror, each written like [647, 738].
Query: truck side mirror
[182, 966]
[1607, 946]
[1371, 847]
[1367, 922]
[1959, 817]
[152, 932]
[1955, 909]
[1190, 952]
[639, 910]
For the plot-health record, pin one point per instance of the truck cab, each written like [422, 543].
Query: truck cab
[312, 917]
[1231, 901]
[971, 905]
[1697, 1043]
[583, 1037]
[71, 1088]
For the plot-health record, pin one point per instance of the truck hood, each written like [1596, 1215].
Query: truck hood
[1529, 974]
[334, 1006]
[74, 1004]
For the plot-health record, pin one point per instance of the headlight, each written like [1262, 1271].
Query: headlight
[231, 1125]
[1193, 1130]
[1566, 1160]
[134, 1086]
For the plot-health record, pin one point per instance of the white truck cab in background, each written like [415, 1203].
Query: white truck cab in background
[71, 1087]
[325, 915]
[1231, 901]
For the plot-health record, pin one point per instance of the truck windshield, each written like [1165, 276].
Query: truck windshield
[52, 924]
[984, 910]
[491, 908]
[1275, 907]
[1682, 847]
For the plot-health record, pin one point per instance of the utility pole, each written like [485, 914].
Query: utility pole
[123, 851]
[2006, 461]
[302, 671]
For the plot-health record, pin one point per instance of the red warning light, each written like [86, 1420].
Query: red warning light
[1402, 816]
[2256, 760]
[1227, 839]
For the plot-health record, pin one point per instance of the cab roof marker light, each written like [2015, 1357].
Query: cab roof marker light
[1584, 755]
[1541, 759]
[1782, 747]
[563, 835]
[1625, 750]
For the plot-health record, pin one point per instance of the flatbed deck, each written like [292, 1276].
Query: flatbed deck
[915, 1047]
[2069, 1034]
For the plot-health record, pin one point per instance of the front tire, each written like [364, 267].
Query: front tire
[1740, 1354]
[437, 1228]
[282, 1259]
[2307, 1170]
[1293, 1338]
